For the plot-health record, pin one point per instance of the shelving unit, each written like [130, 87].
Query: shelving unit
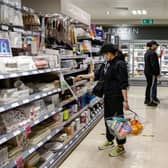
[53, 102]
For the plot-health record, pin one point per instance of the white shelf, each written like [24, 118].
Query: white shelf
[53, 132]
[27, 100]
[27, 73]
[73, 57]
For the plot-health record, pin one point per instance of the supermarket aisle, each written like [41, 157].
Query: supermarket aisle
[148, 150]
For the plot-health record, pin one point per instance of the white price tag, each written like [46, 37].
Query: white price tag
[1, 76]
[60, 153]
[77, 136]
[15, 104]
[53, 113]
[2, 109]
[4, 139]
[52, 161]
[70, 142]
[50, 92]
[13, 75]
[4, 27]
[44, 94]
[31, 150]
[36, 122]
[49, 137]
[17, 132]
[25, 73]
[34, 72]
[37, 97]
[83, 130]
[40, 144]
[66, 146]
[48, 70]
[45, 117]
[26, 101]
[41, 71]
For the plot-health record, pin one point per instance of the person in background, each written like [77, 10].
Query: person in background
[115, 75]
[152, 72]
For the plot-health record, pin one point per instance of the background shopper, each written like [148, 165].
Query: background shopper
[114, 72]
[152, 72]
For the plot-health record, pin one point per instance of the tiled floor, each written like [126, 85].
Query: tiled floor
[149, 150]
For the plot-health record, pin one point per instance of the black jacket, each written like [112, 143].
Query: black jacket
[152, 66]
[115, 78]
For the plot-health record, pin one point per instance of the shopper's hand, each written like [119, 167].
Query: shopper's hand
[79, 77]
[126, 106]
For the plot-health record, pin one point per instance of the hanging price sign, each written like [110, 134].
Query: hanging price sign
[5, 49]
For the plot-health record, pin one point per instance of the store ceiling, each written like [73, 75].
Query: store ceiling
[157, 9]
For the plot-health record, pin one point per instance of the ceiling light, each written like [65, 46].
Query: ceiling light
[107, 12]
[144, 12]
[139, 12]
[134, 12]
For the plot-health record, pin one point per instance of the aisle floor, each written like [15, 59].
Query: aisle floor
[148, 150]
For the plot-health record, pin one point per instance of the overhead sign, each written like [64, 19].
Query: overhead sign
[5, 49]
[147, 21]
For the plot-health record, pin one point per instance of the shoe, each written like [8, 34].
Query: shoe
[152, 104]
[156, 100]
[146, 102]
[117, 151]
[106, 145]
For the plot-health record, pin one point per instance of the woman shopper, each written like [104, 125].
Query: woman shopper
[115, 75]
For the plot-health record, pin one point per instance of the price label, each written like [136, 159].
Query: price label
[44, 94]
[4, 27]
[52, 161]
[37, 97]
[49, 137]
[2, 109]
[3, 140]
[66, 146]
[26, 101]
[1, 76]
[17, 132]
[40, 144]
[36, 122]
[53, 113]
[15, 104]
[45, 117]
[25, 73]
[31, 150]
[19, 162]
[70, 142]
[34, 72]
[13, 75]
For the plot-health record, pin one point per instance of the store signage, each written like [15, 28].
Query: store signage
[147, 21]
[5, 50]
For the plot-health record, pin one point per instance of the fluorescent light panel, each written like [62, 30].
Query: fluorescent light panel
[139, 12]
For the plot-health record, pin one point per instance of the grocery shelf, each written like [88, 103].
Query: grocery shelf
[27, 73]
[73, 57]
[71, 99]
[77, 84]
[65, 72]
[59, 157]
[53, 132]
[33, 148]
[4, 138]
[45, 115]
[27, 100]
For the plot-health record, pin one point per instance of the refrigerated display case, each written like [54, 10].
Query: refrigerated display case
[136, 50]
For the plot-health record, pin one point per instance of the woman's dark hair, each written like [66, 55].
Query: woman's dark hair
[121, 56]
[108, 48]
